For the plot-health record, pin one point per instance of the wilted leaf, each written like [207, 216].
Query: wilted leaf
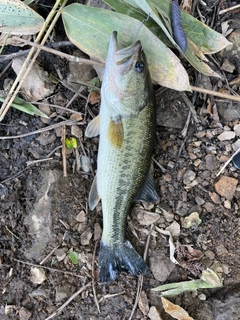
[211, 277]
[175, 311]
[26, 107]
[17, 18]
[73, 256]
[90, 30]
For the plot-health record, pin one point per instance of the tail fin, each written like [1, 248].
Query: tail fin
[123, 257]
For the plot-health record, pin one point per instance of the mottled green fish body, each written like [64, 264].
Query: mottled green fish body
[126, 125]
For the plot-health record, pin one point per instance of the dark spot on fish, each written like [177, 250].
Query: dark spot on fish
[139, 66]
[178, 32]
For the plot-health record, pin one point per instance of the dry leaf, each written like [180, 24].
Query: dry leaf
[175, 311]
[143, 303]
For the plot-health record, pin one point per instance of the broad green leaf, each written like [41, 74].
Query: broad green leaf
[90, 29]
[201, 38]
[17, 18]
[26, 107]
[73, 256]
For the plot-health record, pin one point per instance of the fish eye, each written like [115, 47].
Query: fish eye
[139, 66]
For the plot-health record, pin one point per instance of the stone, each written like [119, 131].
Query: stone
[226, 135]
[153, 314]
[86, 237]
[161, 266]
[188, 176]
[236, 129]
[146, 218]
[226, 187]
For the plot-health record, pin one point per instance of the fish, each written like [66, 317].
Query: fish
[127, 127]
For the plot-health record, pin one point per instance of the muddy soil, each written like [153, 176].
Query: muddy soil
[45, 217]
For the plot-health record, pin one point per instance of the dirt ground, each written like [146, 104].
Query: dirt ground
[44, 216]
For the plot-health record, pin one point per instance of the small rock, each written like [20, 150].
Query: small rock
[60, 254]
[146, 218]
[227, 204]
[160, 266]
[174, 228]
[24, 314]
[143, 304]
[226, 187]
[236, 145]
[228, 66]
[237, 129]
[97, 231]
[85, 163]
[220, 249]
[76, 131]
[226, 135]
[192, 221]
[46, 138]
[37, 275]
[167, 212]
[202, 296]
[199, 200]
[188, 176]
[46, 110]
[81, 217]
[62, 292]
[215, 197]
[86, 237]
[153, 314]
[209, 206]
[210, 254]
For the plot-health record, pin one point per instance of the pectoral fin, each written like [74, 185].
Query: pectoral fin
[93, 198]
[115, 133]
[148, 192]
[93, 128]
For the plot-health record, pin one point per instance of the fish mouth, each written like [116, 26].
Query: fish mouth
[124, 58]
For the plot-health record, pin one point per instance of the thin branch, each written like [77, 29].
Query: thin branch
[216, 94]
[56, 125]
[50, 268]
[59, 310]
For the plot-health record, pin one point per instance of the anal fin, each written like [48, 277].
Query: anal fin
[93, 197]
[148, 192]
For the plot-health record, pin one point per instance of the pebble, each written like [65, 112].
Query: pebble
[86, 237]
[60, 254]
[220, 249]
[153, 314]
[161, 266]
[199, 200]
[97, 231]
[174, 228]
[76, 131]
[237, 129]
[24, 314]
[215, 197]
[227, 204]
[188, 176]
[226, 187]
[210, 254]
[46, 137]
[81, 217]
[146, 218]
[85, 163]
[226, 135]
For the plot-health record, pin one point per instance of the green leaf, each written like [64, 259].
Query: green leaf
[26, 107]
[90, 29]
[71, 143]
[201, 39]
[73, 256]
[17, 18]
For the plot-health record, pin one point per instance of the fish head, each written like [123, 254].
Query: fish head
[126, 84]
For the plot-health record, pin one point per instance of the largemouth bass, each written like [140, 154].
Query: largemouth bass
[126, 125]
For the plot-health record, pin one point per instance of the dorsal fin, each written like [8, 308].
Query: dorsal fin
[93, 128]
[115, 133]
